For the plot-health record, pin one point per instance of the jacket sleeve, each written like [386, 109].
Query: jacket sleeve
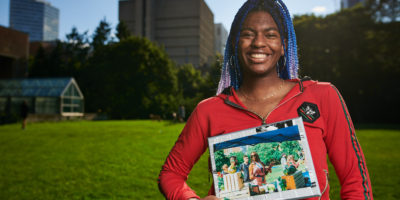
[344, 149]
[189, 147]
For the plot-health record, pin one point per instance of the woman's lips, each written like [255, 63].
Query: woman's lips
[258, 57]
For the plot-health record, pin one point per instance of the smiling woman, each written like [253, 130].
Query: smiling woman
[259, 84]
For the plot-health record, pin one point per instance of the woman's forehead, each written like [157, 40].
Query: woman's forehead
[259, 18]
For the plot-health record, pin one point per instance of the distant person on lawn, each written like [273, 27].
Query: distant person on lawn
[24, 113]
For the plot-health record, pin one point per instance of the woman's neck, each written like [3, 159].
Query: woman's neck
[258, 87]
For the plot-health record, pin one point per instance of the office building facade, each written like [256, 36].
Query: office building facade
[349, 3]
[184, 28]
[37, 18]
[220, 36]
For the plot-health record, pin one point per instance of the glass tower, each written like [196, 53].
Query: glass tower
[349, 3]
[36, 17]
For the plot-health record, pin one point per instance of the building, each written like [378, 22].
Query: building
[52, 97]
[220, 37]
[184, 28]
[14, 53]
[349, 3]
[47, 46]
[36, 17]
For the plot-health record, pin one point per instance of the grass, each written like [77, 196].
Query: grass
[122, 159]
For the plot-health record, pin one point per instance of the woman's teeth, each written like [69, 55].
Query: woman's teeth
[258, 55]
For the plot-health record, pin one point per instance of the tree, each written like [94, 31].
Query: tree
[220, 160]
[195, 86]
[76, 38]
[102, 34]
[239, 156]
[76, 52]
[38, 65]
[384, 10]
[190, 85]
[64, 59]
[48, 63]
[357, 54]
[122, 31]
[131, 79]
[212, 77]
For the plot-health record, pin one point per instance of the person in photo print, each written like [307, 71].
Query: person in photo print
[233, 167]
[225, 169]
[259, 85]
[244, 168]
[283, 161]
[291, 162]
[257, 170]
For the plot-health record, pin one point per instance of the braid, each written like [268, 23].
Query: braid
[287, 65]
[238, 74]
[291, 52]
[230, 74]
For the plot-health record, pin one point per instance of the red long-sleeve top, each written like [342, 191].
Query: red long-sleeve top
[328, 127]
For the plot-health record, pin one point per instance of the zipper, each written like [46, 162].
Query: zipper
[263, 120]
[326, 184]
[241, 108]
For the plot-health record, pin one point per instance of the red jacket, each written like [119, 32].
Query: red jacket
[329, 132]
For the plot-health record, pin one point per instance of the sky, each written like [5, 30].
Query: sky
[85, 15]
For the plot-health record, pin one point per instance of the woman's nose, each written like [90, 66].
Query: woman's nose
[259, 41]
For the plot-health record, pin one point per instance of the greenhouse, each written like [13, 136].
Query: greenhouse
[44, 96]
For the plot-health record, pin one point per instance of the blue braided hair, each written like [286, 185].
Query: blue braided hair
[287, 66]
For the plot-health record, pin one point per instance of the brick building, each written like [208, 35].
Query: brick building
[14, 53]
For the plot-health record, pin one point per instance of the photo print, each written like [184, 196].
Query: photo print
[271, 161]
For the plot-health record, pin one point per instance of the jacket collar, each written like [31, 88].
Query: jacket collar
[229, 95]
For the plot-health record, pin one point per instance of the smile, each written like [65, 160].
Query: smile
[258, 55]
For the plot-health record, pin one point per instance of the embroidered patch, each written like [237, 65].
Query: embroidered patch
[309, 112]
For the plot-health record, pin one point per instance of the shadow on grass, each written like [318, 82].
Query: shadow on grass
[377, 126]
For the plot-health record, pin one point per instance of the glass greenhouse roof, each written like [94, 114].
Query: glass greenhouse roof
[39, 87]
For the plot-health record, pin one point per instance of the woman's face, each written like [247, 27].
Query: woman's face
[253, 157]
[232, 160]
[260, 45]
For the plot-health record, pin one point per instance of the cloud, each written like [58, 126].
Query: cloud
[319, 9]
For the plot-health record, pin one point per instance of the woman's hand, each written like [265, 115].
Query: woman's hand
[211, 197]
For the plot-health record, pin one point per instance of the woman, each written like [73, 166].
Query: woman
[257, 170]
[259, 84]
[291, 162]
[233, 167]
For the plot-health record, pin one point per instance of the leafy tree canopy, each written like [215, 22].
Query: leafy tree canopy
[130, 79]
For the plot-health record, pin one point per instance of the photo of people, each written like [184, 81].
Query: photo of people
[271, 161]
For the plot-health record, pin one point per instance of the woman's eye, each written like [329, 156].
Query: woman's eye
[271, 35]
[247, 34]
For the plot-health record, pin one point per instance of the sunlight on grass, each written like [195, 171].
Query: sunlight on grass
[122, 160]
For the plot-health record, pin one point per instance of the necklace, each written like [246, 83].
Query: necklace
[264, 98]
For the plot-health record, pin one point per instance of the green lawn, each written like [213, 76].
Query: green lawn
[122, 159]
